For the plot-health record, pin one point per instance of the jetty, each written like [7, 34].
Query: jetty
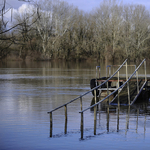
[118, 91]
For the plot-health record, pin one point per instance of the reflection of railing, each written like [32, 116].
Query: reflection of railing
[80, 97]
[118, 89]
[124, 119]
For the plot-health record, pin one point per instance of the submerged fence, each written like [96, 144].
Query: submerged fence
[107, 97]
[96, 104]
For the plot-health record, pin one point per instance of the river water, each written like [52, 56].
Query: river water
[29, 90]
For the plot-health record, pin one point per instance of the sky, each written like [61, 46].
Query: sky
[85, 5]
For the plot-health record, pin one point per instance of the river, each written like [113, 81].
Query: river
[29, 90]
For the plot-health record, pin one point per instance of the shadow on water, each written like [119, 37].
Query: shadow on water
[125, 116]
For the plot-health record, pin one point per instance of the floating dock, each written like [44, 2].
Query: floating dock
[133, 85]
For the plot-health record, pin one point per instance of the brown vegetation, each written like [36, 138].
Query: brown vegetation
[57, 30]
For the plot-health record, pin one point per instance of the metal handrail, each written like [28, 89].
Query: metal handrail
[116, 89]
[79, 97]
[89, 90]
[109, 66]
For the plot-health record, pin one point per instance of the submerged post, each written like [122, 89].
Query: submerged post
[81, 127]
[51, 124]
[95, 114]
[127, 118]
[95, 119]
[118, 112]
[107, 118]
[118, 90]
[65, 119]
[137, 119]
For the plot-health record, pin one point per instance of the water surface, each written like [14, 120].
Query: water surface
[29, 90]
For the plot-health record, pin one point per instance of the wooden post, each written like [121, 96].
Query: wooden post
[99, 72]
[95, 96]
[127, 119]
[107, 110]
[81, 103]
[118, 118]
[137, 119]
[145, 125]
[99, 109]
[51, 124]
[65, 119]
[118, 91]
[107, 92]
[127, 84]
[95, 114]
[81, 127]
[145, 70]
[137, 82]
[118, 106]
[95, 118]
[109, 71]
[107, 118]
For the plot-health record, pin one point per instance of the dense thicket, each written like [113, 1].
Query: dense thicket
[53, 29]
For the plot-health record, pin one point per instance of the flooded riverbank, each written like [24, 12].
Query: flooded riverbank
[29, 91]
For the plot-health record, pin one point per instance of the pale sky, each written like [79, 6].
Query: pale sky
[85, 5]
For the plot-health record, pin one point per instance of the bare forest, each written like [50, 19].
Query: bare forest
[53, 29]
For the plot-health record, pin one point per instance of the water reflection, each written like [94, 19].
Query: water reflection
[131, 115]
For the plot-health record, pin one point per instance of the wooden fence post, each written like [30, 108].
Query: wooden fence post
[65, 119]
[81, 127]
[51, 124]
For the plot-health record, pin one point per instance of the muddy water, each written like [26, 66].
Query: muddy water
[29, 90]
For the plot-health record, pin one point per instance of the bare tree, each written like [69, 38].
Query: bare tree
[25, 30]
[140, 30]
[6, 39]
[52, 24]
[108, 23]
